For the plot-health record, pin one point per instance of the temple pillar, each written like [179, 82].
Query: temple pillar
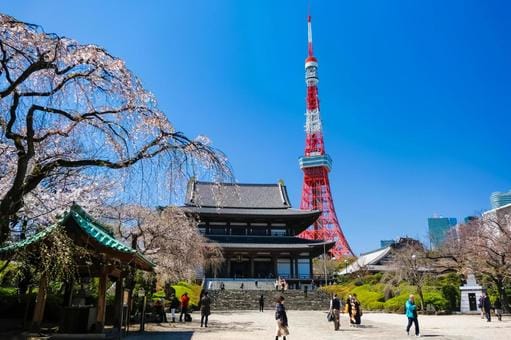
[311, 273]
[292, 269]
[101, 307]
[252, 274]
[40, 303]
[297, 274]
[275, 269]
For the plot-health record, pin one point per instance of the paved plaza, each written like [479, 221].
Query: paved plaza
[306, 325]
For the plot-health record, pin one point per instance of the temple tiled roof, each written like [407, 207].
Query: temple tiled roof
[232, 195]
[246, 202]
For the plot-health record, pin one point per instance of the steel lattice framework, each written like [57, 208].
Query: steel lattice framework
[316, 165]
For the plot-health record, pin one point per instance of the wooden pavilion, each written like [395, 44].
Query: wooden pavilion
[109, 260]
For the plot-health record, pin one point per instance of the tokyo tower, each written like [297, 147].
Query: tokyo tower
[316, 165]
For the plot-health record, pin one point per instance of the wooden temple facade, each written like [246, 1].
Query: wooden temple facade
[257, 229]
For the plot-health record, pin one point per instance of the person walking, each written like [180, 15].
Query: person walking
[335, 309]
[281, 318]
[261, 303]
[347, 309]
[411, 314]
[480, 305]
[498, 309]
[205, 309]
[184, 306]
[174, 303]
[487, 307]
[356, 311]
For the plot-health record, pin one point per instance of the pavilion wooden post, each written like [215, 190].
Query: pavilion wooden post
[100, 316]
[40, 303]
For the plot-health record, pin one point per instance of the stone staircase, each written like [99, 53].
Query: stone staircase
[249, 299]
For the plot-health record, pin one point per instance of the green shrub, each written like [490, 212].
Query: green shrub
[375, 305]
[436, 299]
[452, 295]
[193, 291]
[366, 295]
[396, 304]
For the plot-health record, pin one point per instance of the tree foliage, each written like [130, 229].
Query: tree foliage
[70, 115]
[169, 237]
[483, 247]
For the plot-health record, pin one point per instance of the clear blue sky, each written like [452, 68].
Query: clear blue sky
[415, 95]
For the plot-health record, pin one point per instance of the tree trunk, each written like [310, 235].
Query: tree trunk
[421, 296]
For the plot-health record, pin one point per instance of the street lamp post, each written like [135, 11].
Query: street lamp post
[324, 263]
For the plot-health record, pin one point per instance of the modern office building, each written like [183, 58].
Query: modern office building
[438, 228]
[469, 219]
[500, 199]
[386, 243]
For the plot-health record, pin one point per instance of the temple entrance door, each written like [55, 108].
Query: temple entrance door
[263, 268]
[240, 268]
[472, 301]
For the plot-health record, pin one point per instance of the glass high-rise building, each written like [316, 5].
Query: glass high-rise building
[500, 199]
[438, 228]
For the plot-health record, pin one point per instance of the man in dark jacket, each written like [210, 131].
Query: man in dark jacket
[261, 303]
[487, 307]
[174, 304]
[335, 309]
[205, 309]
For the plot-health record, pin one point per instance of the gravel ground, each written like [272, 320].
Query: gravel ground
[313, 326]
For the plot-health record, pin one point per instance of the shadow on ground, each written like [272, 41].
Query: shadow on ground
[177, 335]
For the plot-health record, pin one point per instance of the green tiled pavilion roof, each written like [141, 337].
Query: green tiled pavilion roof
[10, 247]
[96, 230]
[89, 225]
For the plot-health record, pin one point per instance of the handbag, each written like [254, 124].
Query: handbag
[330, 316]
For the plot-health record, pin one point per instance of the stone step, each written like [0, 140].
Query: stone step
[246, 300]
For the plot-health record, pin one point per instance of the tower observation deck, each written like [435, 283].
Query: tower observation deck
[316, 164]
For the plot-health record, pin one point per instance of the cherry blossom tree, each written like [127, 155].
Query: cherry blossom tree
[75, 122]
[167, 236]
[482, 247]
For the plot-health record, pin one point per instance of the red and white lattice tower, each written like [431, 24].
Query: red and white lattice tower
[316, 165]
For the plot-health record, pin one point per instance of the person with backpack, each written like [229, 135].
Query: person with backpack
[184, 306]
[411, 314]
[335, 309]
